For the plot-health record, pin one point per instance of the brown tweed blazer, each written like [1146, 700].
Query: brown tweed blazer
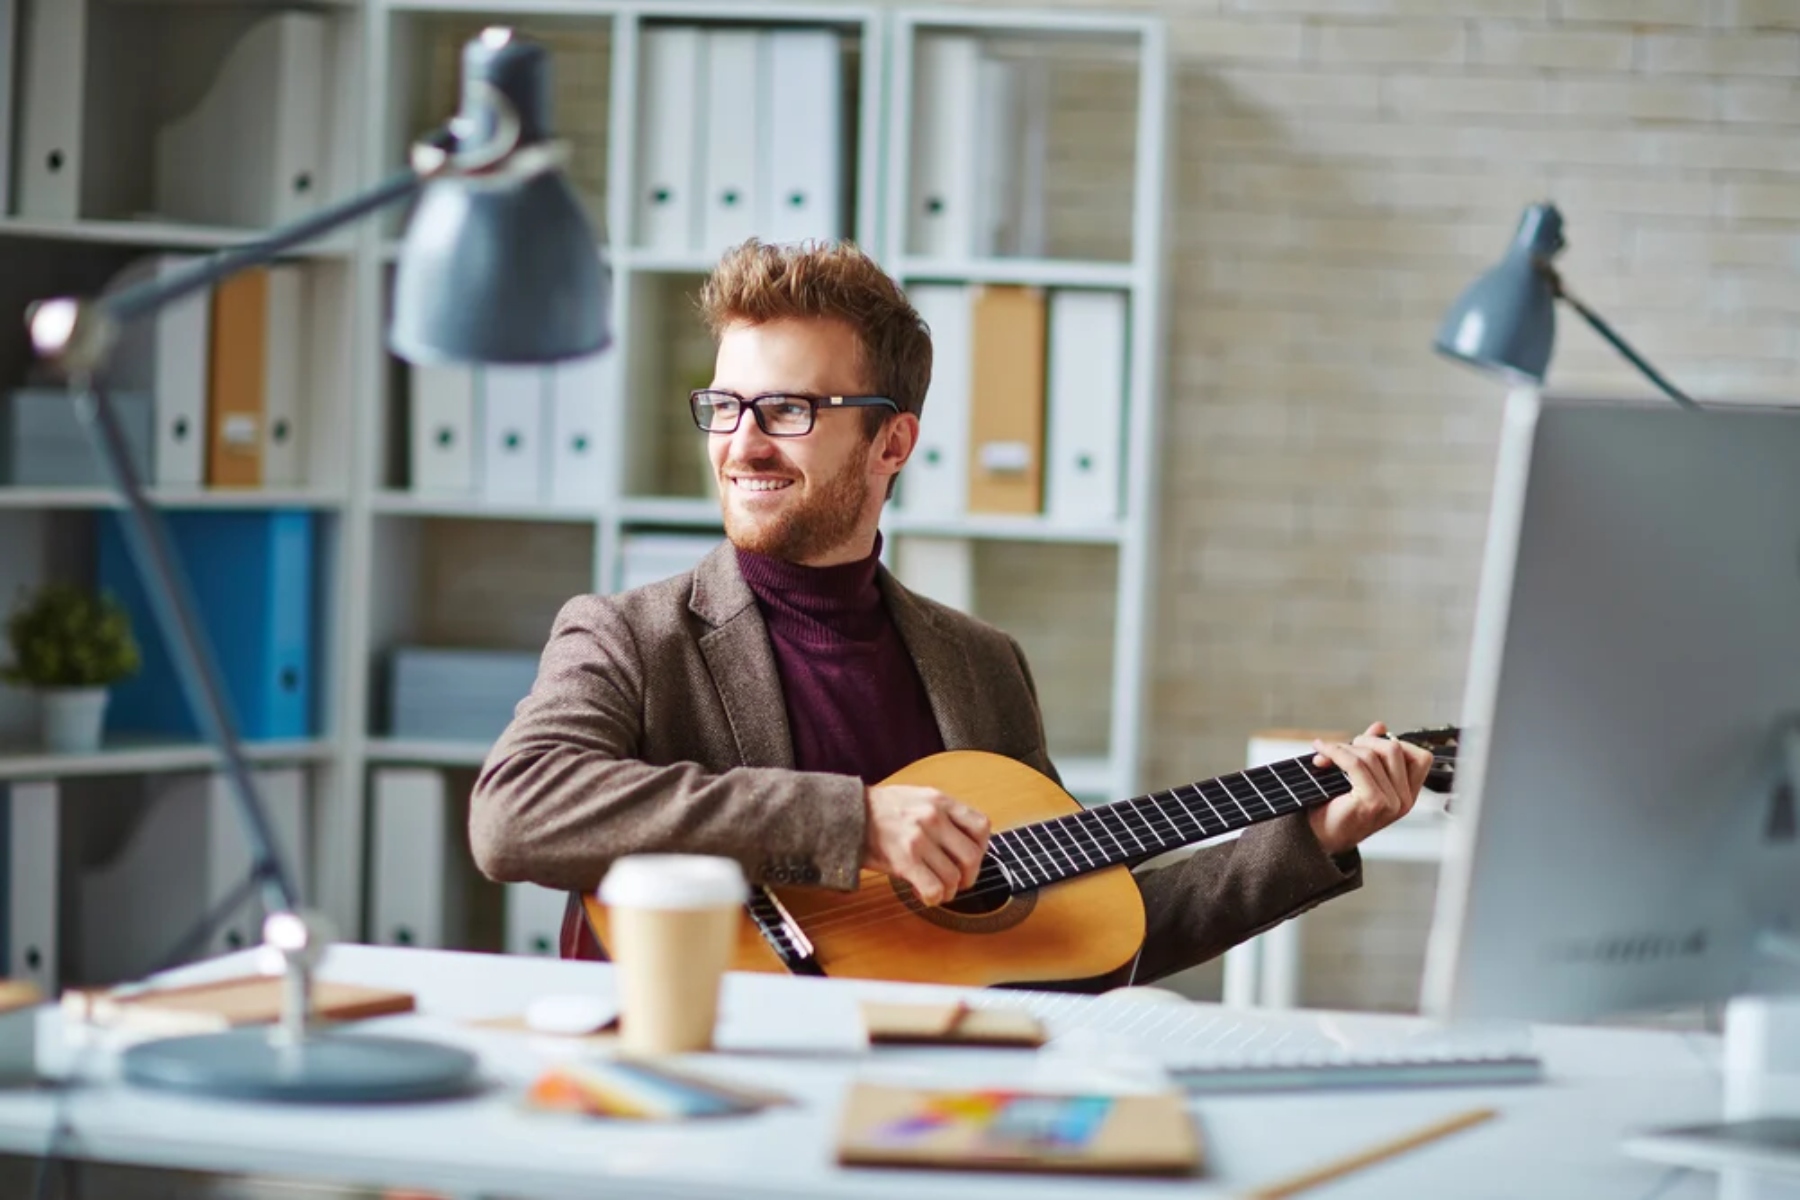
[657, 724]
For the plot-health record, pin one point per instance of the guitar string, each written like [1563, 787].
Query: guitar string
[1313, 776]
[879, 907]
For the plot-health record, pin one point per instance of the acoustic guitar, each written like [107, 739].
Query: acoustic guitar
[1054, 899]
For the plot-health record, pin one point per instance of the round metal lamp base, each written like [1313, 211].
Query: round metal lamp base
[326, 1068]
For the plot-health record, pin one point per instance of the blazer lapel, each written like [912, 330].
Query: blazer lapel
[741, 661]
[950, 681]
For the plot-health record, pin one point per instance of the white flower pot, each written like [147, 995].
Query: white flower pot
[72, 718]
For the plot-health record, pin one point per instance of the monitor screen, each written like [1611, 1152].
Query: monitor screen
[1625, 816]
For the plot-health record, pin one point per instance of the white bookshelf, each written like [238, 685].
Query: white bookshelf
[406, 567]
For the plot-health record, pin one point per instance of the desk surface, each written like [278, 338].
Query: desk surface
[1554, 1139]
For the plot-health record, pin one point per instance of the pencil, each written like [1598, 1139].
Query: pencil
[1294, 1184]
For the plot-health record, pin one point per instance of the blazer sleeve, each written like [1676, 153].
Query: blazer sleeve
[1204, 904]
[563, 792]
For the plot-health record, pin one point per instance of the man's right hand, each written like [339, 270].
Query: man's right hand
[932, 841]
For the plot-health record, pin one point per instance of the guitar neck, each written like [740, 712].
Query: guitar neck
[1131, 831]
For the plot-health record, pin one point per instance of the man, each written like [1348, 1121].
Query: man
[751, 707]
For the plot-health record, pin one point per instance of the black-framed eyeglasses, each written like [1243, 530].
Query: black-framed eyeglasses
[778, 414]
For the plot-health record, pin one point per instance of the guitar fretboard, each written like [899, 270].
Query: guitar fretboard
[1131, 831]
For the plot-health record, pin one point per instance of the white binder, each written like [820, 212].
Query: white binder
[251, 153]
[512, 460]
[732, 191]
[283, 793]
[941, 569]
[803, 178]
[941, 210]
[1088, 348]
[442, 429]
[996, 156]
[666, 208]
[935, 481]
[167, 355]
[581, 397]
[414, 897]
[534, 917]
[33, 851]
[52, 62]
[285, 381]
[652, 557]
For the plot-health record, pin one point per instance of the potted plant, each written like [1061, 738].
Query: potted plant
[69, 645]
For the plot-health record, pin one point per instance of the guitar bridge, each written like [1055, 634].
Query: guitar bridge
[783, 933]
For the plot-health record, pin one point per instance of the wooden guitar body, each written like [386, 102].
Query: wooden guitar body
[1075, 929]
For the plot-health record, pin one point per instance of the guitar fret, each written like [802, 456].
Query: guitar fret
[1231, 802]
[1183, 809]
[1149, 838]
[1043, 852]
[1198, 819]
[1269, 797]
[1097, 817]
[1293, 795]
[1001, 847]
[1069, 838]
[1297, 776]
[1243, 794]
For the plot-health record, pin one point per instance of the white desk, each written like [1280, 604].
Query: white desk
[1555, 1139]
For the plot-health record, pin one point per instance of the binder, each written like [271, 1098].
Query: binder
[33, 853]
[283, 793]
[1088, 353]
[167, 355]
[1006, 421]
[52, 62]
[941, 569]
[581, 398]
[534, 917]
[935, 482]
[995, 118]
[236, 397]
[252, 579]
[442, 429]
[9, 55]
[732, 191]
[803, 180]
[941, 202]
[415, 893]
[666, 208]
[285, 380]
[646, 558]
[512, 456]
[251, 153]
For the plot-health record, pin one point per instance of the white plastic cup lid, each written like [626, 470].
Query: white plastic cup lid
[673, 881]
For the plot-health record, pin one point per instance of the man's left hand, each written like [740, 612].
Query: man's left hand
[1385, 778]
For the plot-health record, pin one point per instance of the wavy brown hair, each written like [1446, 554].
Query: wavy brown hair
[757, 282]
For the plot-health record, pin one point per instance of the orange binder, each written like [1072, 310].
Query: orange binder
[1006, 409]
[237, 405]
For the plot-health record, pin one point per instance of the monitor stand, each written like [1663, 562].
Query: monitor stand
[1756, 1148]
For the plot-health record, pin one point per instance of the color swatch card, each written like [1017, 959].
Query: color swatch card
[642, 1091]
[1018, 1131]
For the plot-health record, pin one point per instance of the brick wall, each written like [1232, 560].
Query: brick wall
[1343, 169]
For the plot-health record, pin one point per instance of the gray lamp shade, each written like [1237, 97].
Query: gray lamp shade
[1506, 320]
[493, 270]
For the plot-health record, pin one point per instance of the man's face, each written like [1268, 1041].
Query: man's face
[814, 499]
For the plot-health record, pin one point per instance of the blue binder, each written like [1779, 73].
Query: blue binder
[252, 577]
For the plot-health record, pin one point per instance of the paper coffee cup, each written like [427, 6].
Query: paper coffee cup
[673, 921]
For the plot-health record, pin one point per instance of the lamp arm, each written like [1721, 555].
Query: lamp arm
[144, 298]
[1618, 343]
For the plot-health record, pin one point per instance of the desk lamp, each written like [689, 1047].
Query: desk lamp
[498, 265]
[1506, 320]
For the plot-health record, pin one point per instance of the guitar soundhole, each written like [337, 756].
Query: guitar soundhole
[984, 908]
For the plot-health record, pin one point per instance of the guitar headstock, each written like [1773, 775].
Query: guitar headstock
[1443, 744]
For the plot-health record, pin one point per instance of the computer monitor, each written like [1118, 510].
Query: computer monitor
[1624, 831]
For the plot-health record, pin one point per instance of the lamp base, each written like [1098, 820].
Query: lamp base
[326, 1068]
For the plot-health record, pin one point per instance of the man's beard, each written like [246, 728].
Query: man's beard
[810, 529]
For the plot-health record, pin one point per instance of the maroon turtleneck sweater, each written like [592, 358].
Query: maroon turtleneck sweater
[855, 703]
